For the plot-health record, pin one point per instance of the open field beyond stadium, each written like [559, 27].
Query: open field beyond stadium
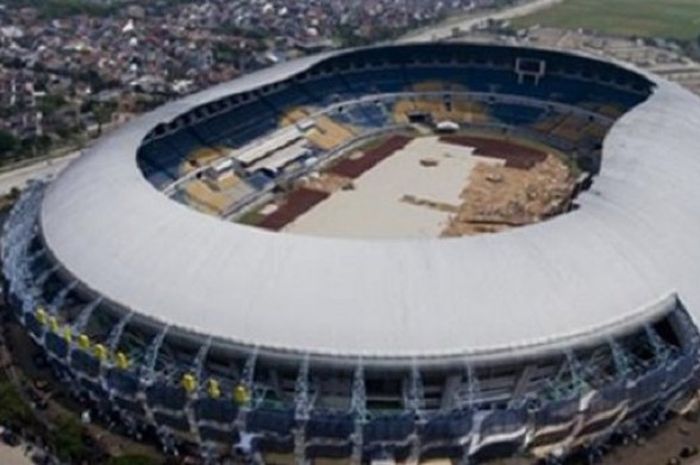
[677, 19]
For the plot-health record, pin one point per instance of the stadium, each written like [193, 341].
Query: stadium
[401, 252]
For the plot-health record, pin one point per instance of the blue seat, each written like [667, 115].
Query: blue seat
[376, 81]
[94, 389]
[268, 420]
[166, 396]
[556, 412]
[329, 451]
[274, 444]
[650, 384]
[208, 433]
[335, 426]
[289, 98]
[86, 363]
[130, 406]
[225, 125]
[56, 344]
[451, 426]
[682, 368]
[33, 325]
[158, 158]
[389, 428]
[503, 421]
[324, 90]
[515, 115]
[219, 410]
[123, 382]
[178, 422]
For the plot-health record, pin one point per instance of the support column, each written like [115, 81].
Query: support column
[623, 367]
[81, 322]
[414, 401]
[148, 372]
[206, 450]
[662, 351]
[247, 382]
[578, 380]
[302, 411]
[112, 343]
[43, 277]
[60, 298]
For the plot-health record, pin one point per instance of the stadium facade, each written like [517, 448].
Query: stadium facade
[545, 340]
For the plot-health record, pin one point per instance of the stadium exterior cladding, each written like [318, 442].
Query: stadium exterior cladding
[543, 340]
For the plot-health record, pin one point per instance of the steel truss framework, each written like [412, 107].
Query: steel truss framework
[585, 398]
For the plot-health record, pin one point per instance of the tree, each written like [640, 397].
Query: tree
[51, 104]
[103, 112]
[13, 410]
[8, 143]
[68, 440]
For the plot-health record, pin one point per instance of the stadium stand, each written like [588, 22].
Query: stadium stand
[524, 396]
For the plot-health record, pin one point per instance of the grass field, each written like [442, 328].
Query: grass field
[677, 19]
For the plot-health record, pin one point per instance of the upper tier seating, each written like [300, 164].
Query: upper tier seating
[436, 69]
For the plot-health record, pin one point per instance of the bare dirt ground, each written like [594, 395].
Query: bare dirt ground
[13, 455]
[501, 197]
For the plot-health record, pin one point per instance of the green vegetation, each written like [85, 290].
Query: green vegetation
[50, 104]
[8, 142]
[350, 36]
[69, 441]
[103, 111]
[252, 218]
[225, 53]
[673, 19]
[13, 410]
[233, 30]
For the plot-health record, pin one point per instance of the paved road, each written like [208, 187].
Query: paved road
[13, 455]
[41, 170]
[444, 31]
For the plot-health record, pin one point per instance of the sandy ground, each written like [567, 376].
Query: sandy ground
[379, 205]
[13, 455]
[444, 30]
[498, 197]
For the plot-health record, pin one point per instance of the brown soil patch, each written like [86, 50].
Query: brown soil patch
[354, 168]
[515, 155]
[502, 197]
[295, 204]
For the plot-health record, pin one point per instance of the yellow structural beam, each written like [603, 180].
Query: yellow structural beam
[121, 360]
[213, 388]
[241, 395]
[101, 352]
[41, 315]
[189, 382]
[84, 341]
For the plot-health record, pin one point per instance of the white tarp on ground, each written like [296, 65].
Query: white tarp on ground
[376, 206]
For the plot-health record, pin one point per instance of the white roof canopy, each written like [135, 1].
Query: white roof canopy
[633, 241]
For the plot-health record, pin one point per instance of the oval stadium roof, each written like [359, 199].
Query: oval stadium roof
[632, 242]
